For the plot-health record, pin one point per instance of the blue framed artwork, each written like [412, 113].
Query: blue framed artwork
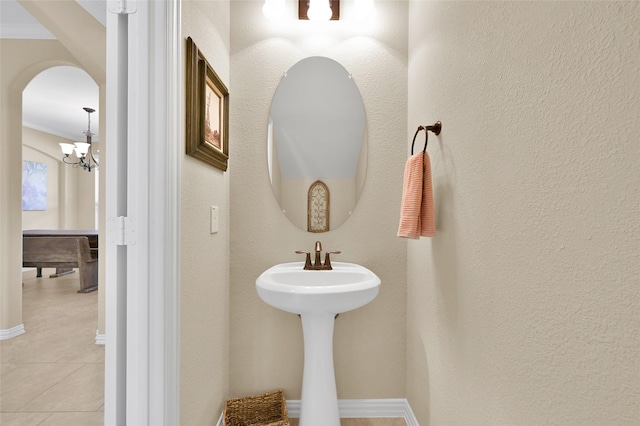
[34, 185]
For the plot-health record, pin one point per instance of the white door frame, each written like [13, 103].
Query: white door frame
[142, 161]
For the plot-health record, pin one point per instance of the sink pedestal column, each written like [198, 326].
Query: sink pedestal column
[319, 404]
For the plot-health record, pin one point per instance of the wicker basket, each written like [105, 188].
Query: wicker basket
[268, 409]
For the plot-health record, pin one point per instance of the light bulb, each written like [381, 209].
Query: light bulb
[365, 10]
[319, 10]
[274, 10]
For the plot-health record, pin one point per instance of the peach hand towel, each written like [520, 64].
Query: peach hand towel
[417, 215]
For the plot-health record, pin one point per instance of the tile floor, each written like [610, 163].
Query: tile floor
[54, 373]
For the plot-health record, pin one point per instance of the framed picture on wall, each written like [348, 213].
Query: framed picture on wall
[207, 111]
[34, 186]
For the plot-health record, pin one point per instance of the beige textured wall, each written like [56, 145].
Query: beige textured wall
[204, 276]
[266, 344]
[525, 307]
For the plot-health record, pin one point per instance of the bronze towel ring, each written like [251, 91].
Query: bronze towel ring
[436, 129]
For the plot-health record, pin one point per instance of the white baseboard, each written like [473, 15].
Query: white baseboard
[101, 339]
[28, 273]
[363, 409]
[12, 332]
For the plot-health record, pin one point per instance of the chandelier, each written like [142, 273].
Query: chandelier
[84, 156]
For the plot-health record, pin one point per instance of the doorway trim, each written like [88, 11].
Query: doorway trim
[142, 210]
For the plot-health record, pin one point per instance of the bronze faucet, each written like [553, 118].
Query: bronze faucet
[318, 265]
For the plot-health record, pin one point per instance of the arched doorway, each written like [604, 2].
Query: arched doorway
[22, 61]
[53, 113]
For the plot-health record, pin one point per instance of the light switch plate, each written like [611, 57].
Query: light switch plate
[214, 219]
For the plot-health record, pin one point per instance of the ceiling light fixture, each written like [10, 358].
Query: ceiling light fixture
[81, 149]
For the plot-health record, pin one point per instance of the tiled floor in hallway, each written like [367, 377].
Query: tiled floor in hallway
[54, 373]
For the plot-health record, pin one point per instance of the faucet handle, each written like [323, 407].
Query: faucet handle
[307, 262]
[327, 259]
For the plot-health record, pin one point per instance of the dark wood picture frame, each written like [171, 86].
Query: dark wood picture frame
[207, 111]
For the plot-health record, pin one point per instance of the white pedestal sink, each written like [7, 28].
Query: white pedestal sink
[318, 296]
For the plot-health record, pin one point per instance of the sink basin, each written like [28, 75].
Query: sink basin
[289, 287]
[317, 296]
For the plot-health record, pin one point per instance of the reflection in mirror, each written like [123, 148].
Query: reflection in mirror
[317, 132]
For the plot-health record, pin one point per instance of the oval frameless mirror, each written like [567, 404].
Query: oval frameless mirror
[317, 150]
